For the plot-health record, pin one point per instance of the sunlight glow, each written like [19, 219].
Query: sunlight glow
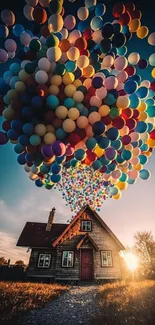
[131, 260]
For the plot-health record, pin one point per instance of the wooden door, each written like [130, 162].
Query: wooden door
[86, 264]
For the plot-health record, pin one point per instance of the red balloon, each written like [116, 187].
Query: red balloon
[91, 155]
[6, 126]
[48, 117]
[127, 113]
[87, 34]
[74, 138]
[119, 123]
[124, 19]
[126, 139]
[39, 14]
[81, 43]
[45, 31]
[118, 10]
[130, 70]
[136, 14]
[152, 135]
[129, 7]
[153, 86]
[135, 113]
[106, 120]
[131, 123]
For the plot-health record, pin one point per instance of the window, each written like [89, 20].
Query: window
[67, 258]
[86, 225]
[106, 258]
[44, 260]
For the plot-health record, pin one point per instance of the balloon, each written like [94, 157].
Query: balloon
[8, 17]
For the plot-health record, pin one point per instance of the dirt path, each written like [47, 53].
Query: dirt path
[76, 306]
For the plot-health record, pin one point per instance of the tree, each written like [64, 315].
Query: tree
[19, 263]
[3, 261]
[145, 249]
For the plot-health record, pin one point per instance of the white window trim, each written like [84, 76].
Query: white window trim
[82, 222]
[40, 256]
[62, 264]
[107, 264]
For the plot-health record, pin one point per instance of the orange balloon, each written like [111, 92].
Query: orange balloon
[81, 43]
[64, 45]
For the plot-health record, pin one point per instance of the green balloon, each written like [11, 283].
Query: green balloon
[35, 45]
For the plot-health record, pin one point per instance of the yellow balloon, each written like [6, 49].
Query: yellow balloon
[77, 83]
[53, 90]
[123, 102]
[151, 142]
[142, 32]
[99, 152]
[142, 107]
[61, 112]
[122, 185]
[73, 53]
[104, 110]
[69, 125]
[83, 61]
[49, 138]
[69, 90]
[68, 78]
[23, 76]
[88, 71]
[134, 25]
[153, 73]
[117, 196]
[56, 80]
[73, 113]
[138, 167]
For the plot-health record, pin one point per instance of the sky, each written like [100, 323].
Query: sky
[22, 201]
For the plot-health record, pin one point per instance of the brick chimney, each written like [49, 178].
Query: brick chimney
[50, 220]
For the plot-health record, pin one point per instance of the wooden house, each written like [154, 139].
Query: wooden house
[84, 250]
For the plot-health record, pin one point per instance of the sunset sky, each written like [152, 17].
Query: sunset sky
[22, 201]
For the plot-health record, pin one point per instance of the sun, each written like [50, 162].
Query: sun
[131, 260]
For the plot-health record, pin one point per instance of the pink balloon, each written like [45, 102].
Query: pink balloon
[3, 56]
[10, 45]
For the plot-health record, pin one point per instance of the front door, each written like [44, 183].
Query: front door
[86, 264]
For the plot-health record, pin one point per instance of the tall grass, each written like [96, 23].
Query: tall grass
[16, 298]
[131, 304]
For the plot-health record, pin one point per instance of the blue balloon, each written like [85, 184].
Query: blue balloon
[35, 140]
[44, 169]
[37, 102]
[134, 101]
[142, 92]
[29, 157]
[12, 135]
[143, 159]
[98, 127]
[113, 190]
[112, 134]
[55, 168]
[69, 102]
[131, 86]
[13, 81]
[100, 9]
[3, 87]
[38, 183]
[18, 148]
[79, 154]
[23, 140]
[123, 177]
[71, 66]
[52, 102]
[27, 112]
[97, 164]
[141, 127]
[16, 125]
[55, 178]
[18, 29]
[28, 128]
[104, 143]
[126, 155]
[21, 159]
[144, 174]
[91, 143]
[15, 68]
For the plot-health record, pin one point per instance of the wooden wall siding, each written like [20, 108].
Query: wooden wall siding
[33, 268]
[70, 273]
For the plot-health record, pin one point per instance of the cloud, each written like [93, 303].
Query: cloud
[32, 208]
[9, 250]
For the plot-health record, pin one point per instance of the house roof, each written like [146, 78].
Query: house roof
[34, 234]
[87, 237]
[104, 225]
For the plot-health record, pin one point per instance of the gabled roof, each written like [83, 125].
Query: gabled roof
[34, 234]
[103, 224]
[87, 237]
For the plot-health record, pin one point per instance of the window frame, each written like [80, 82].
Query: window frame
[106, 251]
[44, 267]
[85, 220]
[62, 258]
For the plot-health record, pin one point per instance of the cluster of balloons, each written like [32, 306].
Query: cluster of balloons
[83, 185]
[74, 98]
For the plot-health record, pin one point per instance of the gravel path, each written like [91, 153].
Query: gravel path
[76, 306]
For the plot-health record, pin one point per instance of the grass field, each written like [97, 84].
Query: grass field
[16, 298]
[131, 304]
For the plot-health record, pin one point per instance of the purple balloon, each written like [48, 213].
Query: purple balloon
[110, 153]
[3, 138]
[59, 148]
[47, 151]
